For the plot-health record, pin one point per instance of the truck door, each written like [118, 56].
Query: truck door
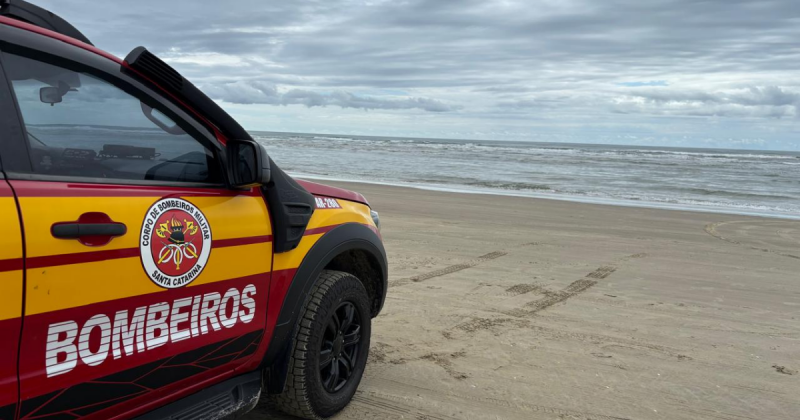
[146, 277]
[10, 299]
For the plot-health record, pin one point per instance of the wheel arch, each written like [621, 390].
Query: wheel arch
[367, 269]
[353, 248]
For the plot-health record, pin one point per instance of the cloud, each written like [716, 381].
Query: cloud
[625, 65]
[639, 84]
[264, 93]
[244, 93]
[540, 103]
[765, 102]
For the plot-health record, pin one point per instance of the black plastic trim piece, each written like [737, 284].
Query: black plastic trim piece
[225, 400]
[347, 237]
[291, 208]
[8, 412]
[76, 230]
[43, 18]
[162, 73]
[14, 145]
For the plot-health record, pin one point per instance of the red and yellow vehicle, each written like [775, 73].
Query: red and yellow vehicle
[154, 261]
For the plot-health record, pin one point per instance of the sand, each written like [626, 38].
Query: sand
[519, 308]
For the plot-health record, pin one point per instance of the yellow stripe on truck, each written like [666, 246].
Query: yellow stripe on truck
[41, 212]
[10, 295]
[293, 258]
[10, 239]
[53, 288]
[11, 251]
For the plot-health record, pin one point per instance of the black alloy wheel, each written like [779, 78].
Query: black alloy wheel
[339, 350]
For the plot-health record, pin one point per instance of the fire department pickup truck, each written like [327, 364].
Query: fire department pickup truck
[154, 261]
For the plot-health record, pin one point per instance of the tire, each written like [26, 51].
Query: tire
[312, 391]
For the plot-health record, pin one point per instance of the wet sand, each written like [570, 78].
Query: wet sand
[519, 308]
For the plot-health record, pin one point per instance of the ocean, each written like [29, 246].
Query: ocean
[763, 183]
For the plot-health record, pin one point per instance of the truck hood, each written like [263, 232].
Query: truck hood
[332, 192]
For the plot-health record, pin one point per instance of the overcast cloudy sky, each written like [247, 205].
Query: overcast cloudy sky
[663, 72]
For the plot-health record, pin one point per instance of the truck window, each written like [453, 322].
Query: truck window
[81, 126]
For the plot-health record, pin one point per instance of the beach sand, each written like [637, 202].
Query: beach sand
[520, 308]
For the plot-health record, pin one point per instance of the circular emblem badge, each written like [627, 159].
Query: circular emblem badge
[175, 242]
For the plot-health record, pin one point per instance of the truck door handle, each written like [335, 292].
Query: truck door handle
[91, 229]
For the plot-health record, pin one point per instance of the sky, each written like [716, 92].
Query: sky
[683, 73]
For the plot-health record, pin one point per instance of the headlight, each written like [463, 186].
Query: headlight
[375, 218]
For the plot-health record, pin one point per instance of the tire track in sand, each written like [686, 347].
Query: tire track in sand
[550, 297]
[711, 229]
[574, 288]
[448, 270]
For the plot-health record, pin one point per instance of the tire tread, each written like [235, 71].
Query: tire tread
[295, 398]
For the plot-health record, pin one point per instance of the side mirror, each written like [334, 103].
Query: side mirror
[248, 164]
[50, 95]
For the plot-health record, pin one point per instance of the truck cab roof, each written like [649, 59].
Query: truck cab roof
[35, 15]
